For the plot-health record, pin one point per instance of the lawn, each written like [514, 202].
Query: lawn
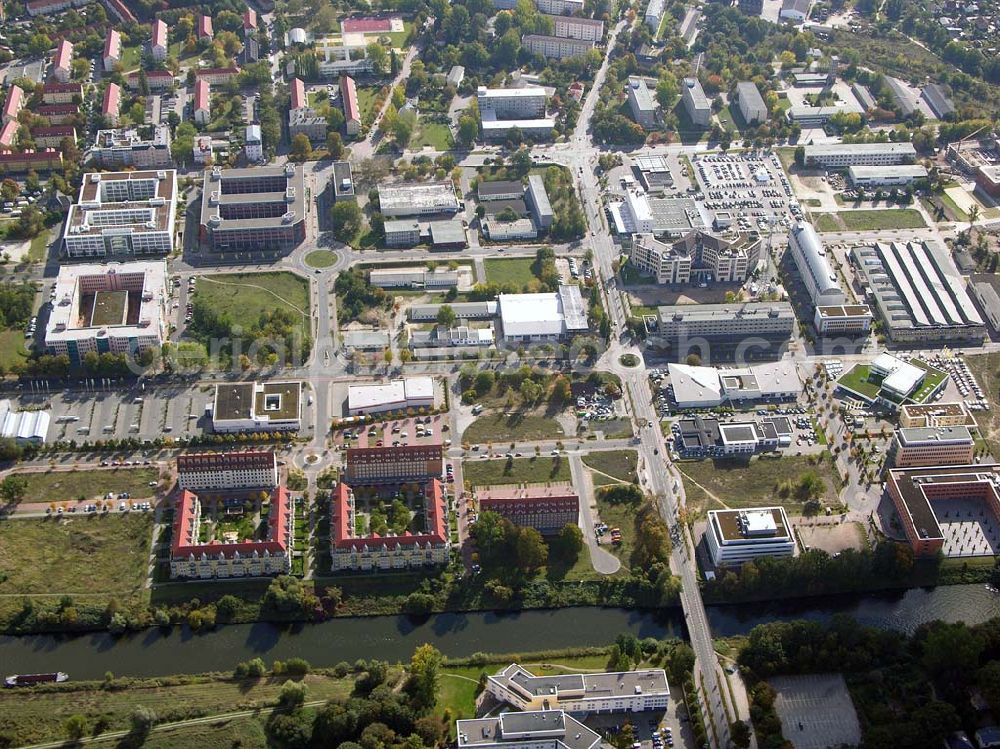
[12, 349]
[856, 379]
[619, 515]
[739, 483]
[611, 466]
[131, 57]
[36, 716]
[177, 50]
[986, 369]
[503, 427]
[932, 380]
[61, 486]
[39, 247]
[244, 297]
[321, 258]
[540, 470]
[513, 270]
[366, 102]
[870, 220]
[434, 134]
[246, 733]
[104, 555]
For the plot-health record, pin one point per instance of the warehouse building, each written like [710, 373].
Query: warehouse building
[737, 536]
[918, 293]
[238, 469]
[257, 407]
[813, 263]
[547, 316]
[258, 208]
[810, 117]
[418, 199]
[116, 308]
[24, 427]
[710, 387]
[932, 446]
[755, 330]
[886, 176]
[122, 214]
[843, 155]
[396, 395]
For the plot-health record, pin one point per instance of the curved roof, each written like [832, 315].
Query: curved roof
[814, 254]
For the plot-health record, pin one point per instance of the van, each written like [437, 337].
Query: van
[477, 409]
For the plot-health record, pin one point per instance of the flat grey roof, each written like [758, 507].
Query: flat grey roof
[911, 435]
[447, 232]
[500, 187]
[726, 311]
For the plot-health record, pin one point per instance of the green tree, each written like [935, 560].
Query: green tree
[570, 542]
[293, 694]
[75, 727]
[378, 57]
[347, 220]
[301, 148]
[12, 488]
[468, 129]
[532, 553]
[424, 666]
[446, 316]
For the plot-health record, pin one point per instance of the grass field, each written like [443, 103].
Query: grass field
[244, 297]
[611, 465]
[131, 56]
[83, 555]
[434, 134]
[621, 516]
[366, 102]
[516, 471]
[39, 247]
[738, 483]
[501, 427]
[321, 258]
[37, 716]
[871, 220]
[61, 486]
[246, 733]
[515, 270]
[12, 349]
[986, 369]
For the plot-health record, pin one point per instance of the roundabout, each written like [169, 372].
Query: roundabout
[320, 259]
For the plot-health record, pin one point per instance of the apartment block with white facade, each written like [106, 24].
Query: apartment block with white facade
[142, 147]
[574, 27]
[578, 694]
[554, 47]
[842, 155]
[243, 469]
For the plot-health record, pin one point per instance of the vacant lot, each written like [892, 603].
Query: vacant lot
[986, 369]
[514, 270]
[612, 466]
[12, 349]
[80, 555]
[619, 515]
[244, 297]
[31, 717]
[871, 220]
[738, 483]
[516, 471]
[503, 427]
[64, 486]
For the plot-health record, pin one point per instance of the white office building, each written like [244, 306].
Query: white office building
[696, 103]
[895, 175]
[737, 536]
[548, 729]
[542, 317]
[501, 109]
[397, 395]
[143, 147]
[256, 407]
[813, 262]
[418, 199]
[843, 155]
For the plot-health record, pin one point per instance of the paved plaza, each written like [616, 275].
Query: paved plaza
[816, 711]
[969, 528]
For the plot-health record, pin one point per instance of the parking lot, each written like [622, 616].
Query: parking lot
[816, 711]
[417, 430]
[751, 186]
[652, 730]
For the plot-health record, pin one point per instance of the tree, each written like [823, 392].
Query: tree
[301, 148]
[424, 666]
[9, 189]
[532, 553]
[293, 694]
[570, 542]
[335, 144]
[379, 58]
[347, 220]
[75, 727]
[12, 488]
[142, 719]
[468, 129]
[446, 316]
[739, 731]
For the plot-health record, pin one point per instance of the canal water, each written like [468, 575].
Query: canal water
[157, 652]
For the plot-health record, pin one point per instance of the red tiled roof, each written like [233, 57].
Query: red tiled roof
[46, 110]
[113, 44]
[205, 26]
[57, 87]
[185, 542]
[14, 102]
[342, 532]
[250, 20]
[232, 70]
[63, 56]
[349, 98]
[8, 133]
[64, 131]
[159, 33]
[112, 99]
[241, 459]
[122, 11]
[298, 94]
[201, 92]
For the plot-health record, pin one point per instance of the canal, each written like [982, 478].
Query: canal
[158, 652]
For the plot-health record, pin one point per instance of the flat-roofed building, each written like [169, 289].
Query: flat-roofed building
[497, 230]
[462, 310]
[115, 308]
[696, 104]
[750, 103]
[932, 446]
[192, 559]
[795, 10]
[811, 259]
[558, 7]
[500, 190]
[445, 234]
[852, 320]
[254, 208]
[537, 200]
[698, 256]
[111, 105]
[62, 61]
[808, 117]
[642, 104]
[112, 50]
[530, 730]
[580, 694]
[935, 415]
[349, 103]
[546, 508]
[141, 147]
[940, 103]
[708, 387]
[402, 232]
[555, 47]
[843, 155]
[418, 198]
[864, 96]
[236, 469]
[257, 407]
[918, 293]
[893, 175]
[737, 536]
[931, 501]
[757, 330]
[988, 179]
[501, 109]
[396, 395]
[393, 465]
[253, 143]
[542, 317]
[158, 41]
[400, 278]
[120, 214]
[351, 550]
[343, 181]
[653, 15]
[575, 27]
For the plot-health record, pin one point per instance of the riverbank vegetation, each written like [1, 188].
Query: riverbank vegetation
[909, 692]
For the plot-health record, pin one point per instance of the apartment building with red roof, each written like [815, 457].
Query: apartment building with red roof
[112, 104]
[54, 92]
[13, 104]
[158, 40]
[112, 50]
[62, 61]
[349, 102]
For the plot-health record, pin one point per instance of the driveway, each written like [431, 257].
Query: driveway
[603, 560]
